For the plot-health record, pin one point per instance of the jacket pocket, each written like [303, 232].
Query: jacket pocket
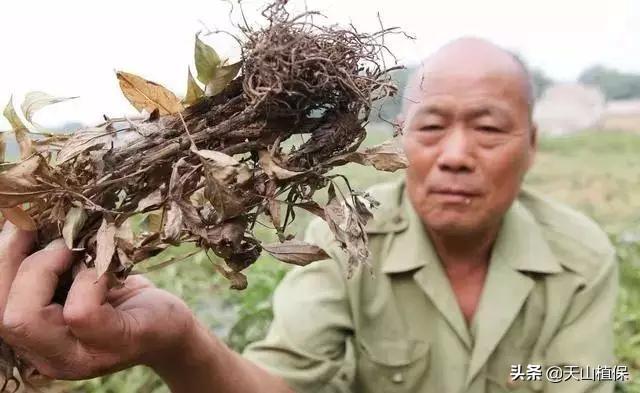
[392, 366]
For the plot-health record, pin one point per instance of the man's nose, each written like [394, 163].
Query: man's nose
[456, 152]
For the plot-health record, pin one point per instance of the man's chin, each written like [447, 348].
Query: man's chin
[451, 224]
[451, 229]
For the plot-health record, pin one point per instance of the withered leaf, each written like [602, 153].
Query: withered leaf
[106, 246]
[362, 210]
[20, 130]
[144, 94]
[229, 233]
[19, 218]
[237, 279]
[124, 259]
[173, 224]
[73, 223]
[207, 61]
[226, 169]
[125, 231]
[18, 184]
[36, 100]
[153, 199]
[221, 173]
[3, 147]
[84, 140]
[223, 200]
[273, 205]
[296, 252]
[194, 91]
[191, 219]
[222, 77]
[272, 169]
[387, 156]
[348, 228]
[313, 208]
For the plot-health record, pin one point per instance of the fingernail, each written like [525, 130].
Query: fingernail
[57, 244]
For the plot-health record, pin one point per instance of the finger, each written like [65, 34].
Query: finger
[36, 281]
[15, 246]
[87, 312]
[132, 286]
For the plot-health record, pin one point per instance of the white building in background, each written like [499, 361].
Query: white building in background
[622, 115]
[569, 107]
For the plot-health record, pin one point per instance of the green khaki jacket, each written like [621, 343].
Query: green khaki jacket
[548, 300]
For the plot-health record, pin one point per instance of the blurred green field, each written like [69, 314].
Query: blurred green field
[596, 172]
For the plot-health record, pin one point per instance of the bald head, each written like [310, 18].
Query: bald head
[470, 59]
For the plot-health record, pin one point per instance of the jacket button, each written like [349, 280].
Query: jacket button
[397, 378]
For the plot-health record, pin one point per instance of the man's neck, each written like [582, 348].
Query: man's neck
[464, 250]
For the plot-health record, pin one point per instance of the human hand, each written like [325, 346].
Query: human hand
[98, 330]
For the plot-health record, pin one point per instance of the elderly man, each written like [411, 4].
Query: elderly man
[475, 282]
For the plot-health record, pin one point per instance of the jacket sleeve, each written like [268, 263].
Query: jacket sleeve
[585, 338]
[308, 342]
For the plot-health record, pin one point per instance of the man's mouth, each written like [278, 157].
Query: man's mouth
[455, 194]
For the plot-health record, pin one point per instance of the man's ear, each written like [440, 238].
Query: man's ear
[533, 144]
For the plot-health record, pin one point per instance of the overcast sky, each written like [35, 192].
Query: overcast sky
[71, 48]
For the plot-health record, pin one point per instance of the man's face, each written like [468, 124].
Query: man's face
[469, 142]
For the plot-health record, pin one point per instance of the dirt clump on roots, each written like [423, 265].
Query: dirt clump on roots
[205, 168]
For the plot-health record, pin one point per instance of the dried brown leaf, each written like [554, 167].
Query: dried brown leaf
[313, 208]
[19, 218]
[273, 205]
[387, 156]
[223, 200]
[229, 233]
[348, 228]
[226, 169]
[296, 252]
[362, 210]
[3, 147]
[106, 246]
[272, 169]
[18, 184]
[192, 220]
[84, 141]
[144, 94]
[222, 77]
[153, 199]
[74, 221]
[194, 91]
[173, 224]
[20, 130]
[237, 279]
[222, 172]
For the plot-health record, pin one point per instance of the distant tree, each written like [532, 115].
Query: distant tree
[539, 78]
[540, 81]
[614, 84]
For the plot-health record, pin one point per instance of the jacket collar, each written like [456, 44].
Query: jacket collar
[520, 243]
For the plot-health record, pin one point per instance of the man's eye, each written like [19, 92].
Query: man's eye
[431, 127]
[489, 129]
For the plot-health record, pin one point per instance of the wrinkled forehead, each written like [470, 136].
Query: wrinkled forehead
[507, 87]
[468, 89]
[472, 73]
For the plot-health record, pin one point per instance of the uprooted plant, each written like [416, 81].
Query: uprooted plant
[204, 169]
